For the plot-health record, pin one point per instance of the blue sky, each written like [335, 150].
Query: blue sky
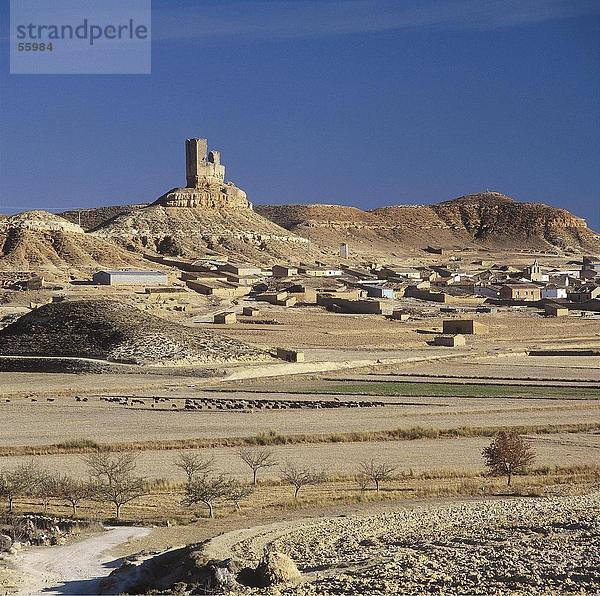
[359, 102]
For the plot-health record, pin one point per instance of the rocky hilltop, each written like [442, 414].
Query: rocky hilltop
[487, 220]
[209, 214]
[37, 240]
[108, 330]
[194, 231]
[212, 215]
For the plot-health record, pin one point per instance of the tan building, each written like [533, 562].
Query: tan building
[450, 341]
[554, 310]
[290, 355]
[529, 292]
[320, 271]
[241, 269]
[464, 327]
[218, 288]
[225, 318]
[400, 315]
[284, 271]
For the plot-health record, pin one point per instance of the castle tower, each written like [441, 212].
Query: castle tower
[201, 165]
[205, 182]
[195, 159]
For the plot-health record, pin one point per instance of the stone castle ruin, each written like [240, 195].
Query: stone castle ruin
[206, 187]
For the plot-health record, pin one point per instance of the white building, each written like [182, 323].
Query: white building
[128, 278]
[552, 291]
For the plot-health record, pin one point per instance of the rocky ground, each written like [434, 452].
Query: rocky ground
[541, 545]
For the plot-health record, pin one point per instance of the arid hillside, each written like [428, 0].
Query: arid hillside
[117, 236]
[487, 220]
[192, 231]
[94, 217]
[108, 330]
[41, 241]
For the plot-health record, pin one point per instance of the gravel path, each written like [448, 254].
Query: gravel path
[73, 568]
[536, 545]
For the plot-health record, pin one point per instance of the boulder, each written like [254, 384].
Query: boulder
[276, 568]
[5, 543]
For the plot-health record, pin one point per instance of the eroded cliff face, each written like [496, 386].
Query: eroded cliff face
[489, 218]
[492, 216]
[194, 231]
[206, 195]
[37, 240]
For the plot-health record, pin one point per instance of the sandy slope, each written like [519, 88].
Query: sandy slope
[73, 568]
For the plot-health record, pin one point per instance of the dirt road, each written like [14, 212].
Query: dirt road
[73, 568]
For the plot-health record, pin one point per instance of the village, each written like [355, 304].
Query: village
[225, 292]
[300, 298]
[191, 338]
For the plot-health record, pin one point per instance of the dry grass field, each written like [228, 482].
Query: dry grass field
[47, 423]
[312, 327]
[441, 407]
[340, 459]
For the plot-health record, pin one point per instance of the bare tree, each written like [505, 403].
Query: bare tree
[121, 491]
[72, 490]
[376, 472]
[363, 482]
[20, 481]
[194, 465]
[238, 491]
[208, 490]
[45, 488]
[107, 467]
[298, 476]
[113, 479]
[507, 454]
[257, 458]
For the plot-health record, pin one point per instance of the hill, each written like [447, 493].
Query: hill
[108, 330]
[37, 240]
[483, 220]
[194, 231]
[94, 217]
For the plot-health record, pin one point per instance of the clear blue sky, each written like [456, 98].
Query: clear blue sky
[357, 102]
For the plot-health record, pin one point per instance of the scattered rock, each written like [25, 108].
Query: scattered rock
[6, 543]
[276, 568]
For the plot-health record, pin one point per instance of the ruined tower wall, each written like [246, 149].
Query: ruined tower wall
[200, 165]
[206, 186]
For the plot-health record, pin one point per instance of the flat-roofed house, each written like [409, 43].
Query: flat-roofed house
[220, 289]
[379, 291]
[524, 291]
[464, 327]
[450, 341]
[316, 271]
[584, 293]
[241, 269]
[284, 271]
[225, 318]
[555, 310]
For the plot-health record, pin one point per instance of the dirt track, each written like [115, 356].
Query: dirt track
[73, 568]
